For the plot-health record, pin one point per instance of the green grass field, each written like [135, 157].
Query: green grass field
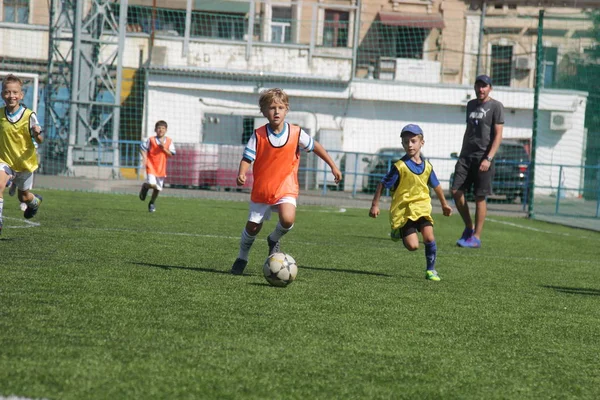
[103, 300]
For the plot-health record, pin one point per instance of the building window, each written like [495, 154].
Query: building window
[281, 25]
[335, 29]
[549, 65]
[16, 11]
[410, 42]
[219, 26]
[501, 64]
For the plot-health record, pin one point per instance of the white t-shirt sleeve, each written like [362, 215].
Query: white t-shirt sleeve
[250, 149]
[307, 143]
[172, 147]
[145, 145]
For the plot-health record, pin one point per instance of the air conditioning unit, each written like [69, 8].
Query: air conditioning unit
[560, 121]
[523, 63]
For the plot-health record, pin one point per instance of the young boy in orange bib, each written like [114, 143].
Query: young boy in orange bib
[155, 152]
[275, 151]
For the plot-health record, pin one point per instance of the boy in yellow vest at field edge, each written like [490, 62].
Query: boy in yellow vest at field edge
[410, 209]
[274, 149]
[18, 158]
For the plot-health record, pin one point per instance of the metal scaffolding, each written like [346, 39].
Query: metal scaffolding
[83, 92]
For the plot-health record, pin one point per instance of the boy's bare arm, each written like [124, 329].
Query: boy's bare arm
[37, 134]
[323, 155]
[164, 148]
[439, 192]
[244, 166]
[374, 211]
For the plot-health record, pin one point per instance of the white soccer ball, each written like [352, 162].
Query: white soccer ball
[280, 269]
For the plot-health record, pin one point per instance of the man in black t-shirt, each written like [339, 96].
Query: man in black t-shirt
[483, 135]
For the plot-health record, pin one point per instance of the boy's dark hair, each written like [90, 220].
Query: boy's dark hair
[161, 123]
[267, 97]
[10, 78]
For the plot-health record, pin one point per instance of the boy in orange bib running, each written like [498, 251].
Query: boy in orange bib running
[275, 151]
[155, 152]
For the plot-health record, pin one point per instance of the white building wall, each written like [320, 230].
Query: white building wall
[372, 114]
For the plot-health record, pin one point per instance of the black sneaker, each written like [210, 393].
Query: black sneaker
[273, 246]
[238, 266]
[151, 207]
[143, 192]
[31, 211]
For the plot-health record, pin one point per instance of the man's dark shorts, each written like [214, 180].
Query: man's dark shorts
[467, 174]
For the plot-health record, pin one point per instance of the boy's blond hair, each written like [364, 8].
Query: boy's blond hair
[267, 97]
[10, 78]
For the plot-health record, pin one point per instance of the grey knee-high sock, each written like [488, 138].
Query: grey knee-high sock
[279, 232]
[245, 244]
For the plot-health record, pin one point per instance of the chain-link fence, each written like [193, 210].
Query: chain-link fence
[355, 74]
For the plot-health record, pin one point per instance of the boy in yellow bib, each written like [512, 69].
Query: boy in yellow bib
[18, 158]
[410, 209]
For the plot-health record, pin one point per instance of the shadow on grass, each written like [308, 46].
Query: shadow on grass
[347, 271]
[266, 284]
[168, 267]
[573, 290]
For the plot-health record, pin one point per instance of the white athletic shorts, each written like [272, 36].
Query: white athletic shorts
[24, 180]
[260, 212]
[154, 180]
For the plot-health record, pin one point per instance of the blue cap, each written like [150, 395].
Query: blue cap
[412, 128]
[485, 79]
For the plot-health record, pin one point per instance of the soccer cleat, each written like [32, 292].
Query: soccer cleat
[472, 243]
[273, 246]
[143, 192]
[467, 233]
[432, 275]
[31, 211]
[12, 189]
[238, 266]
[151, 207]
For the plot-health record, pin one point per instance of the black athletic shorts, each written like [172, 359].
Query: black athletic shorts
[467, 174]
[413, 226]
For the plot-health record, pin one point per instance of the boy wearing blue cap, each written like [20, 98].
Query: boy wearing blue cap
[483, 135]
[410, 210]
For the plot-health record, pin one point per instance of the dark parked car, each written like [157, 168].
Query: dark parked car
[379, 165]
[512, 172]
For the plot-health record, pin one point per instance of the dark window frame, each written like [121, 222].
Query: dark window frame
[15, 16]
[337, 22]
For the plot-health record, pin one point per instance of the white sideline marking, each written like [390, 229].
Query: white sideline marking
[471, 254]
[536, 229]
[28, 224]
[16, 398]
[341, 210]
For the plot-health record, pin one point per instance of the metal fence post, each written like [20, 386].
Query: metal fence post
[558, 190]
[536, 104]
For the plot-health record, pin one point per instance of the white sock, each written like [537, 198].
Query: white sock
[1, 207]
[245, 244]
[279, 232]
